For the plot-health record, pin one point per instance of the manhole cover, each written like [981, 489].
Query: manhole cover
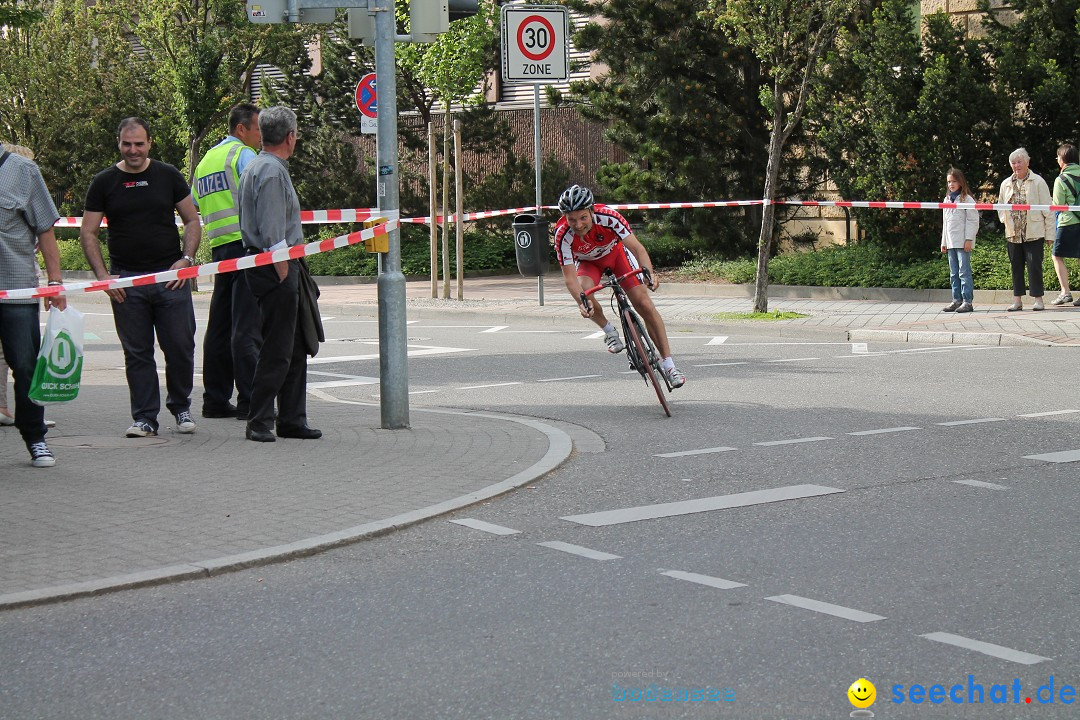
[94, 442]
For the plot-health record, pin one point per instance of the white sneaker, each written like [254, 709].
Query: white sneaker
[140, 428]
[1038, 305]
[40, 455]
[675, 377]
[614, 342]
[184, 423]
[1062, 299]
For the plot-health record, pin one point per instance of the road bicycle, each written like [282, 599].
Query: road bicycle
[640, 350]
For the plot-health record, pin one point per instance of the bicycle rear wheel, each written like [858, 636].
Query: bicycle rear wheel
[646, 353]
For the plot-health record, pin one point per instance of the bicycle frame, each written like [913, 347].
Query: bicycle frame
[640, 350]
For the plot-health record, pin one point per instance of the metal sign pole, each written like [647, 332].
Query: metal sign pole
[536, 160]
[393, 338]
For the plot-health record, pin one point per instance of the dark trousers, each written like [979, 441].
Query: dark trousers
[20, 339]
[148, 310]
[232, 338]
[1030, 252]
[281, 372]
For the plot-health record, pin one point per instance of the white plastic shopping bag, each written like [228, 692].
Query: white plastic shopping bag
[58, 372]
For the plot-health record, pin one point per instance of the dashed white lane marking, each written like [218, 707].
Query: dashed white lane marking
[718, 340]
[413, 351]
[782, 360]
[423, 392]
[579, 550]
[477, 387]
[494, 329]
[1056, 457]
[970, 422]
[574, 377]
[703, 451]
[1051, 412]
[884, 430]
[687, 507]
[593, 336]
[715, 582]
[702, 580]
[485, 526]
[770, 443]
[741, 362]
[981, 484]
[998, 651]
[828, 608]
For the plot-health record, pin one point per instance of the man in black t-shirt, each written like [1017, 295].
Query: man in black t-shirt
[140, 197]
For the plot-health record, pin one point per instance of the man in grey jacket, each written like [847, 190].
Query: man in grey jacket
[270, 220]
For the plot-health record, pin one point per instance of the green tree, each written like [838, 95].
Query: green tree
[681, 99]
[202, 53]
[14, 15]
[65, 83]
[897, 110]
[789, 37]
[1035, 49]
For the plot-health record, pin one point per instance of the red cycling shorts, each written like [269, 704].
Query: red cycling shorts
[620, 260]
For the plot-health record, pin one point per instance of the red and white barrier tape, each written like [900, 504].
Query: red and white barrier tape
[215, 268]
[897, 205]
[348, 215]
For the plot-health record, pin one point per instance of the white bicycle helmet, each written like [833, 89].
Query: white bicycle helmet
[575, 197]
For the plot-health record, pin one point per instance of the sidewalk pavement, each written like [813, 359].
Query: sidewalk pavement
[117, 512]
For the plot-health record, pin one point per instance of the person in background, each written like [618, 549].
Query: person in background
[141, 197]
[270, 220]
[231, 340]
[27, 216]
[1026, 230]
[958, 231]
[1067, 240]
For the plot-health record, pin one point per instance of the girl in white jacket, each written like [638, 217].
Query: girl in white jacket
[958, 231]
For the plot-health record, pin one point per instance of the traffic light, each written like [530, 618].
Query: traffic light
[461, 9]
[430, 18]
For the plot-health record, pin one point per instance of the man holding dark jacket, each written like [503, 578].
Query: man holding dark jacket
[270, 220]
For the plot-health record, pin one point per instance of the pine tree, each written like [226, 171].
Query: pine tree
[1036, 54]
[682, 101]
[897, 112]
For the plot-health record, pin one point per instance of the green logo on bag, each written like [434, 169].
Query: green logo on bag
[63, 358]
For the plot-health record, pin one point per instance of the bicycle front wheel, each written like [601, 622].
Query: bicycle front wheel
[645, 352]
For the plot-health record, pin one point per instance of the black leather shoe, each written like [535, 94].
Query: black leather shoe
[260, 435]
[223, 412]
[300, 433]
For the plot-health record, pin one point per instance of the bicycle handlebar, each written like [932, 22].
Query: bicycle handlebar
[609, 280]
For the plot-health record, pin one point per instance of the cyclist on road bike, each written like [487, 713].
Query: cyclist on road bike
[590, 238]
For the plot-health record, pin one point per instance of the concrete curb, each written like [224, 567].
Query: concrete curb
[560, 446]
[949, 338]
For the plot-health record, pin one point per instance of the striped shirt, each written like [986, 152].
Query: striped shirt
[608, 231]
[26, 211]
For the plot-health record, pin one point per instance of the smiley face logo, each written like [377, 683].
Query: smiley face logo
[862, 693]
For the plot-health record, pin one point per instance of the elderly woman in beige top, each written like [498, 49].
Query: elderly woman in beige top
[1026, 230]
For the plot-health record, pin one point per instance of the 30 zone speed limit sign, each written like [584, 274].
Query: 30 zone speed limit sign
[534, 43]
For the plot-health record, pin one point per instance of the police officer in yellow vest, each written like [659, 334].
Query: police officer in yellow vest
[232, 339]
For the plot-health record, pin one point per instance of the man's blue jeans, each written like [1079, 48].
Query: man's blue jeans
[20, 333]
[148, 310]
[960, 275]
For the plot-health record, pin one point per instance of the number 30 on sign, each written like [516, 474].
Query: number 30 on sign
[534, 43]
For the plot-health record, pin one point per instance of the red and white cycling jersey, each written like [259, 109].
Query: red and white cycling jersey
[608, 230]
